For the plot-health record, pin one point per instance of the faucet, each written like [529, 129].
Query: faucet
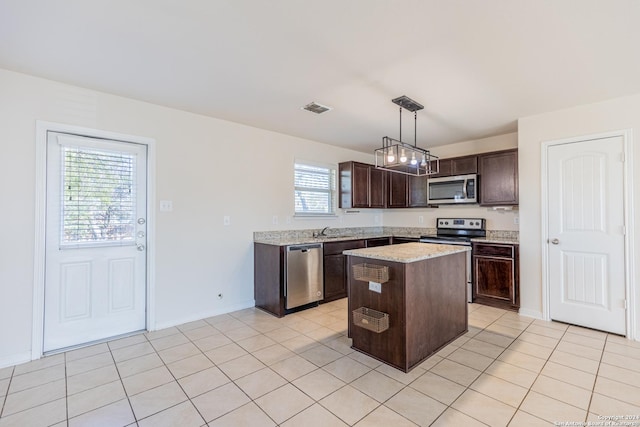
[321, 233]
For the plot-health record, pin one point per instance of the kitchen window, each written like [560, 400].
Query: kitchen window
[315, 189]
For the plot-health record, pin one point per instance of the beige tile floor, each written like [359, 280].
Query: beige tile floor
[248, 368]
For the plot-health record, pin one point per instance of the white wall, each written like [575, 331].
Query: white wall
[209, 168]
[617, 114]
[198, 257]
[496, 220]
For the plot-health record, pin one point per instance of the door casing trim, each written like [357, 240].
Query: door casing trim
[42, 127]
[630, 287]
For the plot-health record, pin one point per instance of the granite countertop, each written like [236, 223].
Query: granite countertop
[407, 252]
[300, 237]
[295, 240]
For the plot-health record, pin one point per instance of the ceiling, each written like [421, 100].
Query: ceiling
[476, 66]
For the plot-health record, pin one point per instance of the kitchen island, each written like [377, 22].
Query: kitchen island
[406, 301]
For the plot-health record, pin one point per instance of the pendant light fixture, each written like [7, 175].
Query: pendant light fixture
[401, 157]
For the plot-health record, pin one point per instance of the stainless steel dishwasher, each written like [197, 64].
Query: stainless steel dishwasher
[305, 275]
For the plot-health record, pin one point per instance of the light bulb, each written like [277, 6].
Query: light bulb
[403, 156]
[423, 163]
[390, 157]
[413, 159]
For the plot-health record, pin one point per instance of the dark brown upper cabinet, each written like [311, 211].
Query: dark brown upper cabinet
[377, 187]
[418, 192]
[361, 186]
[457, 166]
[407, 191]
[398, 195]
[498, 176]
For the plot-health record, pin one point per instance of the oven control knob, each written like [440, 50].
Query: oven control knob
[446, 222]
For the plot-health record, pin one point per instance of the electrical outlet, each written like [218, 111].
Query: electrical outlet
[421, 219]
[274, 220]
[166, 205]
[226, 220]
[516, 220]
[375, 287]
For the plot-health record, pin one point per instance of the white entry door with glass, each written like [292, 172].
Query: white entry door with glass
[95, 278]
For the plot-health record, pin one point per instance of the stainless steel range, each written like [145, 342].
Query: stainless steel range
[458, 231]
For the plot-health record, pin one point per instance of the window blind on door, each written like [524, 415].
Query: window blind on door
[98, 196]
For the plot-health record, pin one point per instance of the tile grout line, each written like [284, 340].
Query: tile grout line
[243, 319]
[536, 379]
[450, 406]
[66, 390]
[217, 367]
[122, 382]
[317, 368]
[595, 381]
[4, 400]
[540, 373]
[288, 382]
[173, 376]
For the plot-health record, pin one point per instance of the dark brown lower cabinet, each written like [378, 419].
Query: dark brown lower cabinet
[496, 275]
[268, 278]
[378, 241]
[335, 268]
[398, 240]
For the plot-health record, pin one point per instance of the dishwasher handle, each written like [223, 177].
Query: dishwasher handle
[304, 248]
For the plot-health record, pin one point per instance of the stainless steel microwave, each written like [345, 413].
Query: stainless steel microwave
[450, 190]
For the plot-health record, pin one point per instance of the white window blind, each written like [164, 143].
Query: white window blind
[315, 188]
[98, 196]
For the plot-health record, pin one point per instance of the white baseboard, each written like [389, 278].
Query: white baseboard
[15, 359]
[530, 313]
[203, 315]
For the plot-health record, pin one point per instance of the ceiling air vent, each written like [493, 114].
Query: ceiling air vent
[314, 107]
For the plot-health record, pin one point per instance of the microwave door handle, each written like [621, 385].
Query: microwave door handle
[464, 189]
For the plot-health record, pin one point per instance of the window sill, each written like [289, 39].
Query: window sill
[314, 216]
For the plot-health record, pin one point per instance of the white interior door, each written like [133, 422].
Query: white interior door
[586, 253]
[95, 278]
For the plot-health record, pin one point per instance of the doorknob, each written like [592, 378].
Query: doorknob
[140, 248]
[555, 241]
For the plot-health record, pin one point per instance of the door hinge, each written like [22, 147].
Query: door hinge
[624, 304]
[624, 230]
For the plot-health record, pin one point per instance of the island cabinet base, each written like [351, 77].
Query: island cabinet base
[426, 303]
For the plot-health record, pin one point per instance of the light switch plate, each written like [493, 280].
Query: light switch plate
[226, 220]
[375, 287]
[166, 205]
